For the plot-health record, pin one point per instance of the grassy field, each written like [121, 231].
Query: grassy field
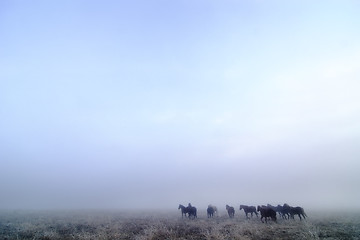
[170, 225]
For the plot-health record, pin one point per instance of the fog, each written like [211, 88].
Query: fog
[149, 104]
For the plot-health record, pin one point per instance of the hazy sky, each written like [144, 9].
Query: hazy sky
[138, 104]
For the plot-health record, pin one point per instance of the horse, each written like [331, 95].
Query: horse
[183, 210]
[266, 212]
[230, 210]
[278, 209]
[286, 210]
[215, 209]
[249, 209]
[190, 210]
[282, 212]
[210, 211]
[295, 211]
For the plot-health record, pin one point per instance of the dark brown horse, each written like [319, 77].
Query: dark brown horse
[266, 212]
[294, 211]
[230, 210]
[215, 209]
[249, 209]
[190, 210]
[284, 213]
[183, 210]
[210, 211]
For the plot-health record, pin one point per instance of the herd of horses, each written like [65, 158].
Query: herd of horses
[266, 211]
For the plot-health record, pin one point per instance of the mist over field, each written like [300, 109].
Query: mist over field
[149, 104]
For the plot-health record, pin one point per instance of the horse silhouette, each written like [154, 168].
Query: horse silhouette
[215, 209]
[249, 209]
[294, 211]
[190, 210]
[266, 212]
[210, 211]
[230, 210]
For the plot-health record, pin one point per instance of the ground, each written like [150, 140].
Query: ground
[139, 225]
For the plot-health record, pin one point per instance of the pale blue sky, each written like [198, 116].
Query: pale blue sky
[111, 104]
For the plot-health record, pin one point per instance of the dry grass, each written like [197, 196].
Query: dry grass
[169, 225]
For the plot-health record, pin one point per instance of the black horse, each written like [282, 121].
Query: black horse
[282, 212]
[230, 210]
[210, 211]
[267, 212]
[294, 211]
[183, 210]
[215, 209]
[190, 210]
[297, 211]
[249, 209]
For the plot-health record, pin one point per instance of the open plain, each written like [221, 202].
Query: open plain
[116, 224]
